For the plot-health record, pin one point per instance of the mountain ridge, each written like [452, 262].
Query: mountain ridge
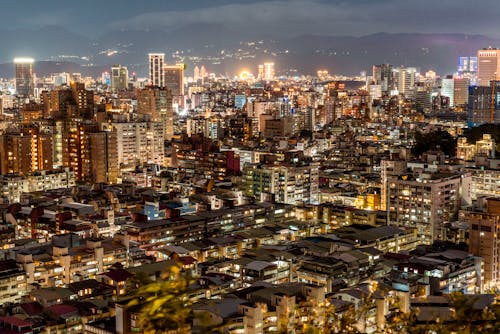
[211, 42]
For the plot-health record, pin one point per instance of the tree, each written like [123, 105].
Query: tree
[163, 306]
[465, 318]
[434, 141]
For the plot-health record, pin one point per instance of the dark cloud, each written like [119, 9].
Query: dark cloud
[273, 17]
[334, 17]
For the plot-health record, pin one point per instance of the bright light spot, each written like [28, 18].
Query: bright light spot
[245, 75]
[24, 60]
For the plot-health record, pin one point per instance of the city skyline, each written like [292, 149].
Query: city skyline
[249, 167]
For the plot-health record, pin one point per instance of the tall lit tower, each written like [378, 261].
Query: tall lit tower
[119, 78]
[156, 62]
[25, 85]
[488, 66]
[268, 71]
[173, 78]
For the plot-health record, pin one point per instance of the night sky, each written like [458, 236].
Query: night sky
[281, 17]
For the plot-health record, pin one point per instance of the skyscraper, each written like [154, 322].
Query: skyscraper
[157, 103]
[260, 72]
[423, 202]
[156, 62]
[268, 71]
[460, 91]
[484, 228]
[196, 74]
[483, 106]
[448, 89]
[119, 78]
[24, 76]
[382, 75]
[488, 66]
[467, 64]
[103, 157]
[405, 79]
[173, 78]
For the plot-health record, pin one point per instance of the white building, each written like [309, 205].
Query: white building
[139, 142]
[156, 63]
[425, 201]
[13, 186]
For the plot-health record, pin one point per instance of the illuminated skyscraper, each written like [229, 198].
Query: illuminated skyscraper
[24, 76]
[467, 64]
[119, 78]
[173, 78]
[484, 228]
[448, 89]
[157, 103]
[203, 72]
[196, 75]
[382, 75]
[268, 71]
[260, 72]
[405, 79]
[156, 62]
[460, 91]
[488, 66]
[483, 106]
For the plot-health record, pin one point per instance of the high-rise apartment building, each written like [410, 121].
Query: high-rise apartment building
[460, 91]
[41, 148]
[25, 83]
[467, 65]
[383, 76]
[173, 78]
[266, 71]
[89, 152]
[422, 93]
[157, 103]
[15, 153]
[75, 146]
[156, 63]
[269, 71]
[488, 66]
[424, 201]
[139, 143]
[289, 184]
[119, 78]
[405, 79]
[483, 106]
[484, 239]
[83, 99]
[389, 169]
[26, 150]
[448, 89]
[103, 157]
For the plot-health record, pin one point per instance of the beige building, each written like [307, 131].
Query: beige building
[157, 103]
[484, 241]
[288, 184]
[103, 157]
[424, 201]
[12, 282]
[138, 143]
[488, 65]
[460, 91]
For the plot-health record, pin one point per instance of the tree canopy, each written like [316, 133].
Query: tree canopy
[439, 140]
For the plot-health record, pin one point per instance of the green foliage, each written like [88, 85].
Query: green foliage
[434, 141]
[163, 306]
[476, 133]
[465, 319]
